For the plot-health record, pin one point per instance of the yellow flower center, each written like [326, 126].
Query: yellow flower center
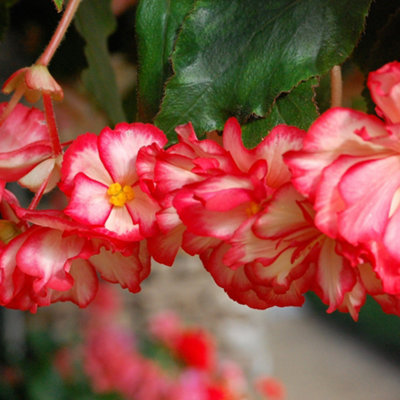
[252, 209]
[120, 195]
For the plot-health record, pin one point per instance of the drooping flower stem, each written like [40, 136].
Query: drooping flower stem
[336, 86]
[58, 35]
[51, 124]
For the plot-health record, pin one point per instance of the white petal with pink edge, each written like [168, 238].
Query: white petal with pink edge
[280, 272]
[335, 133]
[384, 85]
[46, 170]
[24, 126]
[120, 223]
[232, 139]
[392, 233]
[328, 200]
[353, 301]
[194, 244]
[173, 171]
[118, 148]
[287, 212]
[15, 164]
[335, 276]
[143, 211]
[128, 271]
[83, 156]
[46, 255]
[368, 196]
[8, 284]
[281, 139]
[203, 222]
[165, 246]
[224, 193]
[223, 275]
[386, 267]
[89, 202]
[84, 288]
[247, 247]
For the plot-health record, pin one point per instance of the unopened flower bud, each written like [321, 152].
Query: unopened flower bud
[34, 81]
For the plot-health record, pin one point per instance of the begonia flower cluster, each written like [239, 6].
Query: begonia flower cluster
[302, 211]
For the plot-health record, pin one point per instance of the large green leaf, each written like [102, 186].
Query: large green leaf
[95, 22]
[236, 57]
[294, 108]
[157, 24]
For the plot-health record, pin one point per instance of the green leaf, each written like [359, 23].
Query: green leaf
[236, 57]
[95, 22]
[294, 108]
[157, 24]
[59, 4]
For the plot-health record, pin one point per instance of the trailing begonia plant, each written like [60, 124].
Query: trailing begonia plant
[233, 153]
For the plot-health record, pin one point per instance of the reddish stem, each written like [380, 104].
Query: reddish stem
[51, 124]
[67, 143]
[39, 194]
[336, 86]
[58, 35]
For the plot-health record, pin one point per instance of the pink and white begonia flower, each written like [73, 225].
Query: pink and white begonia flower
[181, 176]
[166, 173]
[128, 267]
[40, 266]
[239, 287]
[26, 153]
[263, 247]
[221, 191]
[57, 259]
[99, 174]
[219, 205]
[276, 259]
[126, 263]
[349, 169]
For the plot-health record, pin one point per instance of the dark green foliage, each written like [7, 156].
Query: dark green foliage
[235, 58]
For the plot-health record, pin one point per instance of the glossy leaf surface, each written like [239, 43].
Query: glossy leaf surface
[157, 25]
[235, 58]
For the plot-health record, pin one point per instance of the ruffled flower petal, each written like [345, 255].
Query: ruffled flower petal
[127, 270]
[119, 147]
[84, 287]
[83, 156]
[89, 202]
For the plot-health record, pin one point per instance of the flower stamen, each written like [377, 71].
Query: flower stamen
[120, 195]
[252, 209]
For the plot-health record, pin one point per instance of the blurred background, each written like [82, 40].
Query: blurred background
[314, 355]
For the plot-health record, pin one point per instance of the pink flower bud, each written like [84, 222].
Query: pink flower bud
[34, 81]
